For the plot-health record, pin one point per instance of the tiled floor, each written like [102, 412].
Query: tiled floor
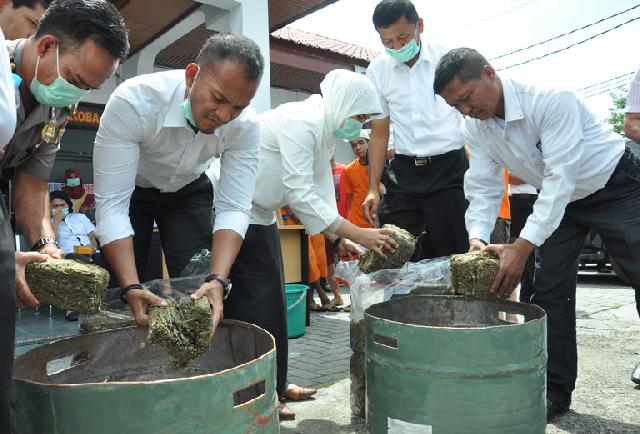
[34, 328]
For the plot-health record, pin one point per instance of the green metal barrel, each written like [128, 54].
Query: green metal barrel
[445, 365]
[114, 382]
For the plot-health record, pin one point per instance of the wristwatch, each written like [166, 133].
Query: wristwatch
[337, 241]
[43, 242]
[226, 283]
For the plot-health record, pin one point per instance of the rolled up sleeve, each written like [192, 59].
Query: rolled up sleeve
[297, 153]
[238, 166]
[484, 189]
[562, 147]
[633, 97]
[115, 163]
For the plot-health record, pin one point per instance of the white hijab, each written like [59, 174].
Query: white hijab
[346, 93]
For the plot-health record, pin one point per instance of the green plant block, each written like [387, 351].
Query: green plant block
[68, 284]
[184, 328]
[370, 261]
[472, 274]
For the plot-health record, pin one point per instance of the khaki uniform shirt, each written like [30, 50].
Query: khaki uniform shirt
[27, 149]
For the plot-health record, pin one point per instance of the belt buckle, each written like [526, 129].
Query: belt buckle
[422, 161]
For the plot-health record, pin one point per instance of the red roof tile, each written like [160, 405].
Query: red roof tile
[322, 42]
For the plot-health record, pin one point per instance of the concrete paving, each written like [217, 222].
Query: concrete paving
[605, 400]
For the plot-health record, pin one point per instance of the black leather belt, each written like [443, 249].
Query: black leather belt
[524, 195]
[424, 161]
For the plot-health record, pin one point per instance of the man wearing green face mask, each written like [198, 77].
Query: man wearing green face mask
[424, 182]
[157, 136]
[77, 46]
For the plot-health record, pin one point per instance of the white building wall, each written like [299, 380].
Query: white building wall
[248, 17]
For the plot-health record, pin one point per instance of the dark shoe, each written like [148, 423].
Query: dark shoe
[554, 410]
[635, 375]
[71, 316]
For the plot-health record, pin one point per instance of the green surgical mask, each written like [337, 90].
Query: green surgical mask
[185, 106]
[407, 52]
[73, 182]
[58, 94]
[350, 129]
[64, 211]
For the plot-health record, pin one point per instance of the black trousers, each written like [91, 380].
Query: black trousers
[7, 313]
[183, 219]
[428, 198]
[257, 295]
[614, 213]
[521, 209]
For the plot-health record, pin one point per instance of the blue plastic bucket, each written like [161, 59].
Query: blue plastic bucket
[296, 309]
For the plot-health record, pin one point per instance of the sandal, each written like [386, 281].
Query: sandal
[285, 413]
[330, 307]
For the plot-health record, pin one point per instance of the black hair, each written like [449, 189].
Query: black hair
[236, 47]
[59, 194]
[31, 4]
[462, 63]
[73, 22]
[388, 12]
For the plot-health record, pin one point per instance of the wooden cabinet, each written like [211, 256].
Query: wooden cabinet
[295, 253]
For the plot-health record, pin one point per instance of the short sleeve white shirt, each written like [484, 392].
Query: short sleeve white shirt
[423, 123]
[74, 230]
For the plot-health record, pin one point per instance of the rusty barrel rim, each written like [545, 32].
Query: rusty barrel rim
[224, 322]
[537, 313]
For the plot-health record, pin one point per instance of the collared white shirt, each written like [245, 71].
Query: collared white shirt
[7, 96]
[294, 167]
[423, 123]
[144, 140]
[550, 140]
[73, 231]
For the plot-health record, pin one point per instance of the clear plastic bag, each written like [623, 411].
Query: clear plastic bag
[200, 263]
[192, 277]
[429, 276]
[177, 287]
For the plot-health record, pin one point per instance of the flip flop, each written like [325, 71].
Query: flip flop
[317, 308]
[285, 413]
[331, 308]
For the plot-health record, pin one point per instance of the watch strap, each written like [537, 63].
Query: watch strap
[43, 242]
[226, 283]
[126, 289]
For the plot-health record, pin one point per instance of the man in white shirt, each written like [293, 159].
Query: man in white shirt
[424, 181]
[72, 228]
[157, 136]
[586, 177]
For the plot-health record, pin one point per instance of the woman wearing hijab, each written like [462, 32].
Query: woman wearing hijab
[297, 141]
[74, 188]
